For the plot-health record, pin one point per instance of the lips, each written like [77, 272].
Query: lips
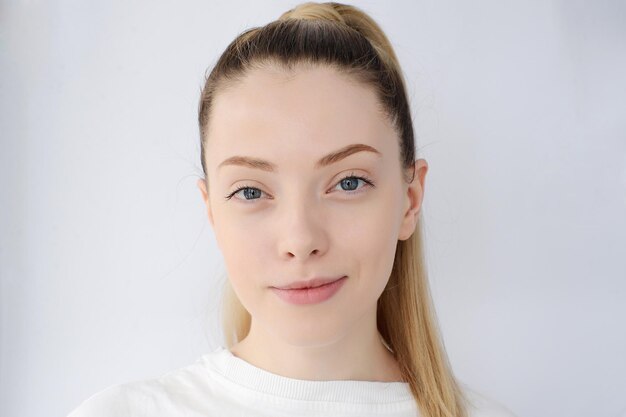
[310, 296]
[310, 283]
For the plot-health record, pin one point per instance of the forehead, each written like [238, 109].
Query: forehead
[310, 110]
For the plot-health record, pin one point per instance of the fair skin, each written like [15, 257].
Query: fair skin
[301, 220]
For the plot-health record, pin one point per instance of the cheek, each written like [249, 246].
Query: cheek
[369, 236]
[245, 244]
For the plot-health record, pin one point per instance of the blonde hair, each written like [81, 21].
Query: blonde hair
[348, 40]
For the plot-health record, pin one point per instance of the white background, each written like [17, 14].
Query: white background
[110, 271]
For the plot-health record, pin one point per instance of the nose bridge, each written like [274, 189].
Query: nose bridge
[301, 224]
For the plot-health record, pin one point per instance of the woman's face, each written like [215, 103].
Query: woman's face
[298, 219]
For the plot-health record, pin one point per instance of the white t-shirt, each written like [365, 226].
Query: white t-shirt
[220, 384]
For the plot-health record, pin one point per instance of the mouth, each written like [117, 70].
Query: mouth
[309, 284]
[310, 295]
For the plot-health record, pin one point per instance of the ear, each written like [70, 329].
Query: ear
[413, 200]
[205, 196]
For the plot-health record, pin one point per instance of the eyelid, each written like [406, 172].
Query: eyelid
[363, 177]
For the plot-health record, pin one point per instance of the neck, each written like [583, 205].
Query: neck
[359, 354]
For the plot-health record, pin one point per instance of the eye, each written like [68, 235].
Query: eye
[248, 192]
[350, 181]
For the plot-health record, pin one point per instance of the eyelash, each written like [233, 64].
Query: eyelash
[368, 181]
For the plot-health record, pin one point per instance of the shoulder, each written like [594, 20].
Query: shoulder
[149, 397]
[116, 400]
[481, 405]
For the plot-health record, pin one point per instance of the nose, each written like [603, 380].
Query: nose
[302, 230]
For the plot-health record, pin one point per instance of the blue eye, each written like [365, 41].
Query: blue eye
[248, 192]
[351, 181]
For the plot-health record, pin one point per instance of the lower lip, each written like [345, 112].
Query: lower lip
[310, 295]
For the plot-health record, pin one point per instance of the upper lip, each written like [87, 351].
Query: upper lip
[309, 283]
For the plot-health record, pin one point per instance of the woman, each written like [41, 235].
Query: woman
[311, 182]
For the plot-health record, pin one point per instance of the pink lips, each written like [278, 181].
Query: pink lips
[310, 283]
[310, 295]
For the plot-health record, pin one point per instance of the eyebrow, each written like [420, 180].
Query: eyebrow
[329, 159]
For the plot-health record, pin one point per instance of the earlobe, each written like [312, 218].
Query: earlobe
[205, 197]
